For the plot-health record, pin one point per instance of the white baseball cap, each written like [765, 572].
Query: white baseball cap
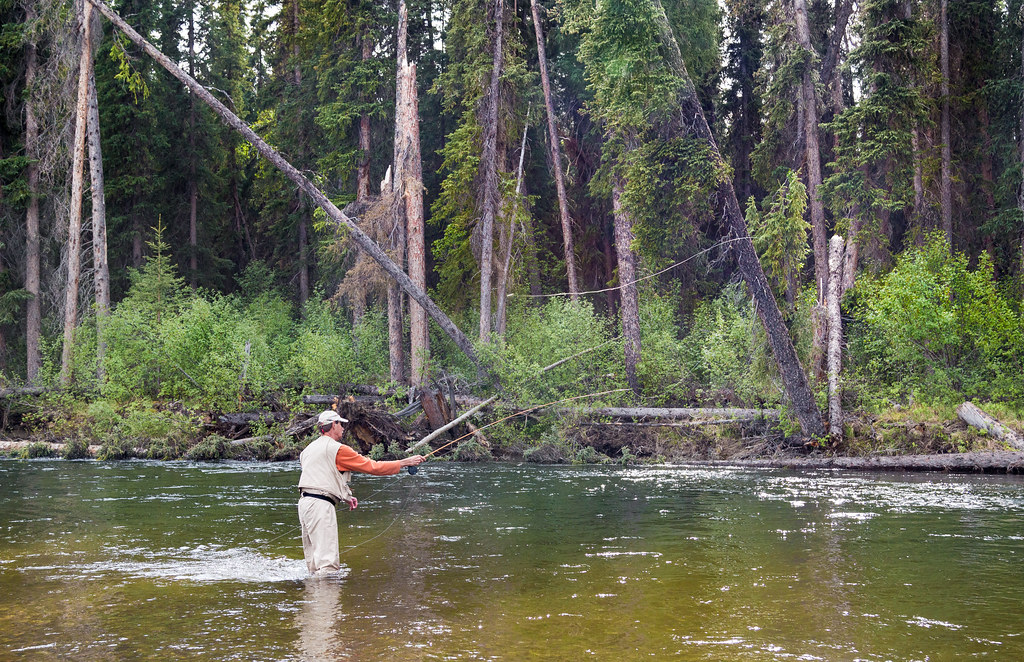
[330, 416]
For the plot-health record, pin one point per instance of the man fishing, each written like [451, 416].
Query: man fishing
[326, 470]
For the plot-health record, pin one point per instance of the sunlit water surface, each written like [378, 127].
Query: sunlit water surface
[162, 561]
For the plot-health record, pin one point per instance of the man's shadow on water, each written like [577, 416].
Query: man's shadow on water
[319, 618]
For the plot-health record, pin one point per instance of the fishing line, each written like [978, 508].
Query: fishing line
[524, 411]
[292, 530]
[643, 278]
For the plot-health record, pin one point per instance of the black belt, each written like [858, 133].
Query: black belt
[320, 496]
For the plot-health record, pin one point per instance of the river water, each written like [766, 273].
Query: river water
[167, 561]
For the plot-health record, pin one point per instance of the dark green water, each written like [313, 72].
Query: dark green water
[164, 561]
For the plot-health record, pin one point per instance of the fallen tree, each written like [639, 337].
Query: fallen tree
[975, 417]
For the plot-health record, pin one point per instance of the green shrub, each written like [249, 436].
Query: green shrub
[590, 455]
[935, 330]
[213, 447]
[37, 449]
[323, 354]
[540, 336]
[471, 451]
[75, 449]
[116, 449]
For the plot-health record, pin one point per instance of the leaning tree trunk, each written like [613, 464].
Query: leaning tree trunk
[316, 195]
[408, 183]
[945, 184]
[77, 185]
[101, 270]
[630, 308]
[793, 377]
[33, 317]
[556, 157]
[489, 163]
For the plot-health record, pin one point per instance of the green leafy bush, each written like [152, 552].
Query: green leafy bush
[935, 330]
[213, 447]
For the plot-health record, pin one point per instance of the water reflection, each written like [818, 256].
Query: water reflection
[320, 620]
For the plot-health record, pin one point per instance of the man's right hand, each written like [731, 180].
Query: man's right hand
[412, 461]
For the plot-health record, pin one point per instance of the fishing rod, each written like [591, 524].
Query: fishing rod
[413, 470]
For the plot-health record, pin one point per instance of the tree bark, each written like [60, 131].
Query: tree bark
[507, 242]
[1020, 192]
[336, 215]
[303, 251]
[77, 186]
[812, 154]
[556, 157]
[33, 316]
[408, 183]
[945, 184]
[793, 377]
[363, 173]
[193, 186]
[812, 160]
[489, 164]
[630, 304]
[101, 269]
[835, 336]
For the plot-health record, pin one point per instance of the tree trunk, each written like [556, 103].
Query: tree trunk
[303, 252]
[812, 154]
[1020, 192]
[915, 147]
[507, 241]
[101, 270]
[945, 184]
[363, 173]
[317, 196]
[33, 317]
[793, 377]
[556, 157]
[489, 163]
[77, 186]
[835, 337]
[193, 186]
[408, 183]
[630, 308]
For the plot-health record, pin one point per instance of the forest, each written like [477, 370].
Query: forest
[219, 206]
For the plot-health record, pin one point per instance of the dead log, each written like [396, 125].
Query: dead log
[975, 417]
[248, 418]
[24, 390]
[672, 413]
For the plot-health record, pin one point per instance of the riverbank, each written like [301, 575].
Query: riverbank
[901, 439]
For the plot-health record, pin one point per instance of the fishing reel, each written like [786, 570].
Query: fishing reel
[412, 470]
